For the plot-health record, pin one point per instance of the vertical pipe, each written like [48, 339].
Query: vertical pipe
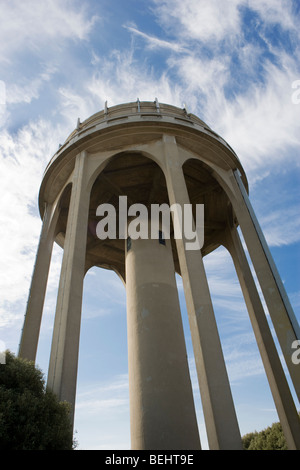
[162, 413]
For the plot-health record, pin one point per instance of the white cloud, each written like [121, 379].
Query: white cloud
[214, 21]
[242, 364]
[276, 12]
[122, 79]
[104, 408]
[257, 118]
[223, 78]
[199, 19]
[29, 89]
[110, 289]
[23, 159]
[201, 74]
[74, 105]
[262, 124]
[154, 42]
[34, 24]
[282, 227]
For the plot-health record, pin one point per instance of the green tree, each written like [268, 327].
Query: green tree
[271, 438]
[31, 417]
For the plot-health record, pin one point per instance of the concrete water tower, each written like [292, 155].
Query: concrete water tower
[153, 153]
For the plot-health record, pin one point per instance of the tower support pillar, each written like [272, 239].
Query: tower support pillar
[162, 412]
[281, 312]
[218, 408]
[34, 310]
[278, 384]
[62, 375]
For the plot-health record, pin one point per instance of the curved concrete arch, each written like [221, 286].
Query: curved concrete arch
[95, 172]
[142, 168]
[181, 162]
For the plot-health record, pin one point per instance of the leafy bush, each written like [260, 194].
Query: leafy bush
[31, 417]
[271, 438]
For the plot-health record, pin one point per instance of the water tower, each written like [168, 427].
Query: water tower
[155, 154]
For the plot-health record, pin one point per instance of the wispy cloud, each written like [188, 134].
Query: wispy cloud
[34, 25]
[240, 81]
[224, 60]
[23, 159]
[198, 19]
[29, 89]
[262, 124]
[282, 227]
[103, 408]
[132, 79]
[154, 42]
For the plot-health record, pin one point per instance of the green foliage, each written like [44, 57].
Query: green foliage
[31, 417]
[271, 438]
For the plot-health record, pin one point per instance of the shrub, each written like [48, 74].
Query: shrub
[31, 417]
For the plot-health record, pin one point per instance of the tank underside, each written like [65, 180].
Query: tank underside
[133, 174]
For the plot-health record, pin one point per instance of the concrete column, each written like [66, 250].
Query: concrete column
[62, 375]
[282, 315]
[34, 309]
[162, 413]
[219, 412]
[278, 384]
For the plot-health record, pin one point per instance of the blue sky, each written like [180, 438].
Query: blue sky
[233, 63]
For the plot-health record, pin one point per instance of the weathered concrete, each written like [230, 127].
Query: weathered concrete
[162, 413]
[34, 310]
[283, 400]
[220, 417]
[157, 154]
[62, 375]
